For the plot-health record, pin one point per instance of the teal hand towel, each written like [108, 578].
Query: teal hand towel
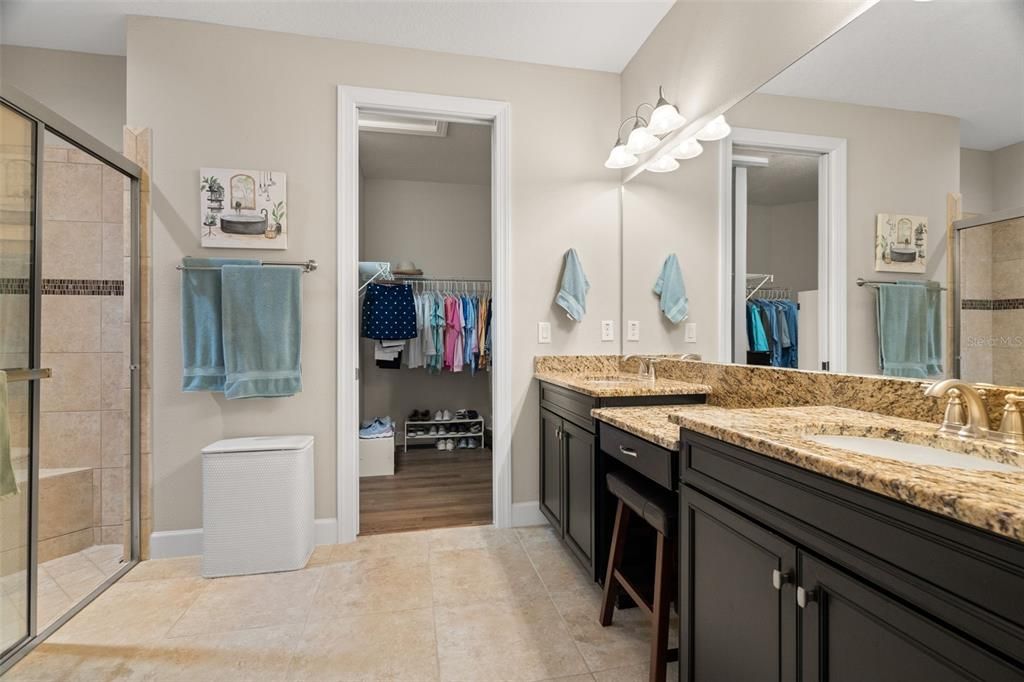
[262, 308]
[672, 290]
[8, 483]
[573, 294]
[909, 330]
[202, 345]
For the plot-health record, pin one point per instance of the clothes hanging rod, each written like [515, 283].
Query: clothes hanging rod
[307, 266]
[415, 278]
[861, 282]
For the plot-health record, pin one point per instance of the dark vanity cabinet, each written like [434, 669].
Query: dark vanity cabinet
[789, 575]
[572, 492]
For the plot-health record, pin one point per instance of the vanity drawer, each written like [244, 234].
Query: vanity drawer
[654, 462]
[569, 404]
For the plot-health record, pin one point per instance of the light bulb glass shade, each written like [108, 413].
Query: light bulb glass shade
[640, 140]
[620, 157]
[665, 119]
[665, 164]
[688, 149]
[716, 129]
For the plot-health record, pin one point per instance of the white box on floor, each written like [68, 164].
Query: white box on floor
[257, 505]
[376, 457]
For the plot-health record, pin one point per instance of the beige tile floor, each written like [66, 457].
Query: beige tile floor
[452, 604]
[63, 582]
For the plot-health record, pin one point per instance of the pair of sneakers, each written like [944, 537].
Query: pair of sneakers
[445, 444]
[442, 416]
[441, 430]
[379, 427]
[461, 443]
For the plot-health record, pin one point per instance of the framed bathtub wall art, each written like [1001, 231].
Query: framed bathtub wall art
[901, 243]
[243, 209]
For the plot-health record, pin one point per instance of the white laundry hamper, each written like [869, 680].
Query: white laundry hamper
[257, 505]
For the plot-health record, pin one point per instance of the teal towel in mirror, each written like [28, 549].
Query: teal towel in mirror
[573, 294]
[8, 483]
[672, 290]
[909, 329]
[262, 321]
[202, 342]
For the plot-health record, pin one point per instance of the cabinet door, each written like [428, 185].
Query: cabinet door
[851, 631]
[738, 611]
[551, 467]
[578, 451]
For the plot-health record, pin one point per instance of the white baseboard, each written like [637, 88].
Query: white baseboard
[527, 514]
[167, 544]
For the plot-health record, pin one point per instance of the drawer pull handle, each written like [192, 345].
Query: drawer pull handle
[627, 451]
[779, 578]
[804, 596]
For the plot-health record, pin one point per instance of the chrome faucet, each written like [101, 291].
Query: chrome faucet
[647, 363]
[977, 423]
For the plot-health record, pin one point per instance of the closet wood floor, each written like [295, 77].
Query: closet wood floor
[430, 489]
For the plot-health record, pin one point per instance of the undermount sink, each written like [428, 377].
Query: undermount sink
[912, 453]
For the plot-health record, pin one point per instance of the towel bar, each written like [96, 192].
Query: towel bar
[307, 266]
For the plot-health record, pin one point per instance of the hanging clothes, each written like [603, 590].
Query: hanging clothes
[389, 312]
[772, 332]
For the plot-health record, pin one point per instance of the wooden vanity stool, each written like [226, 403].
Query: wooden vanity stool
[658, 507]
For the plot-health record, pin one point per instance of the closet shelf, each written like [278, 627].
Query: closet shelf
[444, 421]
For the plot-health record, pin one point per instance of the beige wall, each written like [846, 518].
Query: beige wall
[897, 162]
[976, 181]
[710, 54]
[1008, 177]
[446, 229]
[284, 116]
[782, 239]
[87, 89]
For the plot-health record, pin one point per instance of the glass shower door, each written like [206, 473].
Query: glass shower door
[18, 314]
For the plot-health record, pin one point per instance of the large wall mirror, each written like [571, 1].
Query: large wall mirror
[820, 234]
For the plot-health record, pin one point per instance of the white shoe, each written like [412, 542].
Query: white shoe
[441, 431]
[440, 444]
[447, 416]
[438, 416]
[433, 431]
[449, 444]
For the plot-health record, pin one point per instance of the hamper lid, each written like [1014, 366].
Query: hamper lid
[258, 444]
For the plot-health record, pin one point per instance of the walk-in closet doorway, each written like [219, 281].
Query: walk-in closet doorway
[487, 287]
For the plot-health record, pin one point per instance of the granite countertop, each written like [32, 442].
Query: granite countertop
[614, 385]
[990, 500]
[652, 423]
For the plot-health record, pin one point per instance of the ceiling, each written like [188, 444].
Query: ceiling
[952, 57]
[462, 156]
[597, 34]
[787, 179]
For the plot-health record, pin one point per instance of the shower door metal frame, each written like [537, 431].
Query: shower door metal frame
[45, 120]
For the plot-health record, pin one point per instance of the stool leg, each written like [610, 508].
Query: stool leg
[663, 579]
[611, 585]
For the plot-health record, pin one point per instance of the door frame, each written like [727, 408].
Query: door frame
[832, 301]
[455, 109]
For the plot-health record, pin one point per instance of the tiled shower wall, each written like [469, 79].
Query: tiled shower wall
[84, 416]
[992, 315]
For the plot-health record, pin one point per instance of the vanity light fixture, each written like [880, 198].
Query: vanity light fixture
[640, 139]
[665, 164]
[666, 117]
[620, 157]
[716, 129]
[688, 149]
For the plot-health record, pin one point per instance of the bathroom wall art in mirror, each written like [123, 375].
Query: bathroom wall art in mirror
[818, 234]
[243, 209]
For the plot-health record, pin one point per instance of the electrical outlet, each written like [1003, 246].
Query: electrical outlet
[607, 330]
[543, 332]
[633, 330]
[690, 332]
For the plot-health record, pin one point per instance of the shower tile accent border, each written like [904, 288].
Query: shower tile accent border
[992, 304]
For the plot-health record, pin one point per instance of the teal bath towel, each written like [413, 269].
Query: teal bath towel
[909, 330]
[8, 484]
[672, 290]
[573, 294]
[202, 345]
[262, 308]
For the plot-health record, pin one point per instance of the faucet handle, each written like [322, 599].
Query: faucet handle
[1011, 429]
[955, 417]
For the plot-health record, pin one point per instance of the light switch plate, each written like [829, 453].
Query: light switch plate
[690, 332]
[633, 330]
[607, 330]
[543, 332]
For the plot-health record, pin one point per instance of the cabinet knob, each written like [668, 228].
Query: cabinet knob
[779, 578]
[803, 597]
[627, 451]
